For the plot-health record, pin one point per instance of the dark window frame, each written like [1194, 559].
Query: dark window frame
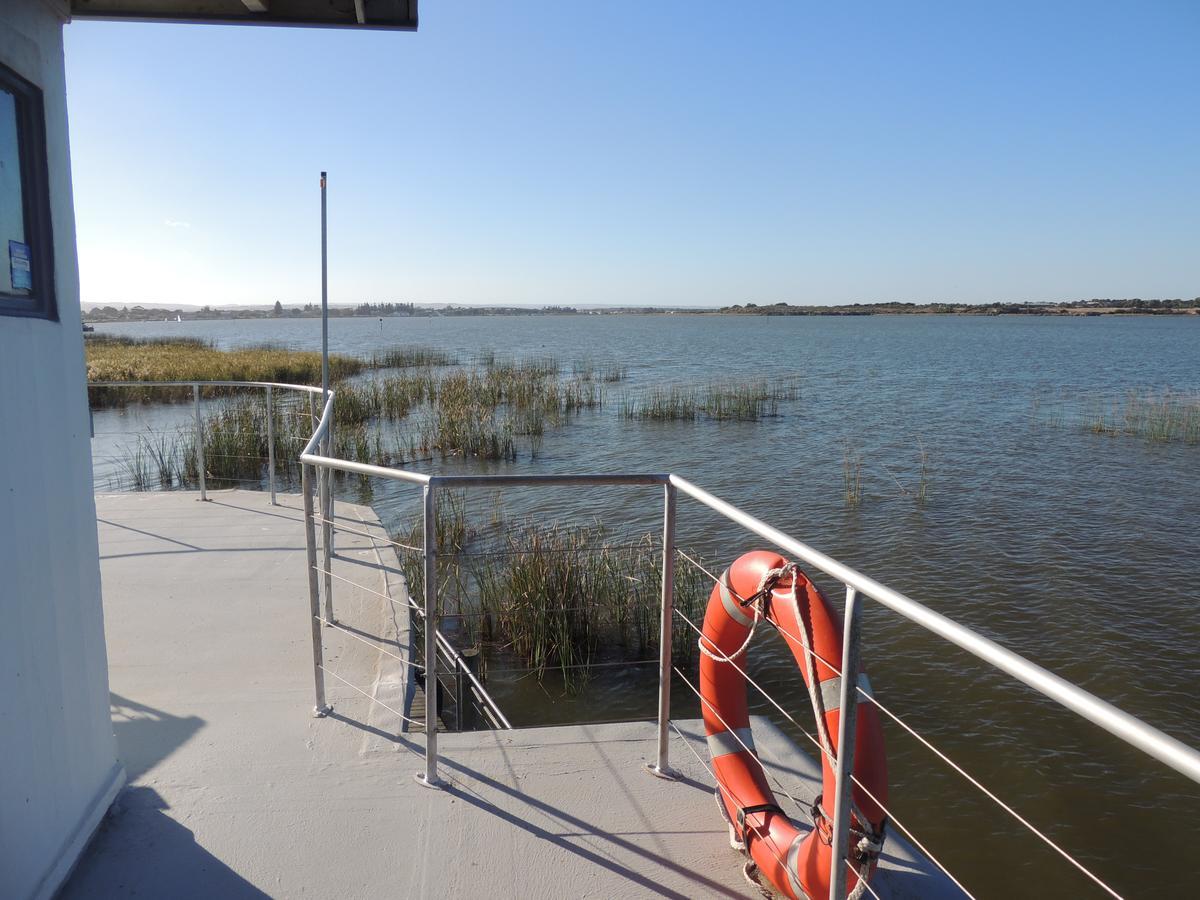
[35, 195]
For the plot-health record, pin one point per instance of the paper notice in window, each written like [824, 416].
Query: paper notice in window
[18, 264]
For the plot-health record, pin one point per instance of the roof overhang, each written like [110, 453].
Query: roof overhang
[376, 14]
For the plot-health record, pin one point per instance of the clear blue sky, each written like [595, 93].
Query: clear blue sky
[646, 153]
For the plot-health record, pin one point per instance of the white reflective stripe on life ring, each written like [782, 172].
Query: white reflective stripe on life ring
[725, 742]
[732, 607]
[831, 691]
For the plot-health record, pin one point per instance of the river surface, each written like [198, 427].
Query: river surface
[1078, 550]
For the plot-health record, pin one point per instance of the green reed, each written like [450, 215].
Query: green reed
[562, 598]
[662, 404]
[923, 482]
[1166, 417]
[557, 598]
[588, 369]
[852, 482]
[411, 356]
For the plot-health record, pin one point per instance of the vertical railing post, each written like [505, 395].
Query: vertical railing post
[468, 664]
[329, 480]
[327, 521]
[662, 767]
[459, 680]
[847, 733]
[199, 441]
[271, 443]
[314, 601]
[429, 777]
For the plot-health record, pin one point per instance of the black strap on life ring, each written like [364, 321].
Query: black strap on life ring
[744, 811]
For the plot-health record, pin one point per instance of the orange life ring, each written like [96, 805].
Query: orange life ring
[762, 586]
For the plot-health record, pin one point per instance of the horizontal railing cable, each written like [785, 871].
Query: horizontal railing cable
[443, 643]
[354, 687]
[540, 551]
[338, 526]
[363, 587]
[1029, 826]
[556, 668]
[361, 639]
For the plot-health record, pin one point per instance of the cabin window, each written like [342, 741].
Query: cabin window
[26, 242]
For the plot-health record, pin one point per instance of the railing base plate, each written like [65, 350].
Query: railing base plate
[437, 784]
[667, 774]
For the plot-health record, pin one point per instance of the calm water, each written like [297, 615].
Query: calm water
[1080, 551]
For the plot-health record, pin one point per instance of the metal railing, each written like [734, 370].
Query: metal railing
[319, 511]
[316, 458]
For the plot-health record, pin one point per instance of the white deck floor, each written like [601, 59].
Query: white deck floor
[236, 791]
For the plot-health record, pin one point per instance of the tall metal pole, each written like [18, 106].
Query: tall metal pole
[324, 297]
[326, 473]
[847, 736]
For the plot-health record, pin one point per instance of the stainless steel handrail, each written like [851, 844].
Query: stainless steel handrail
[1134, 731]
[1128, 728]
[322, 462]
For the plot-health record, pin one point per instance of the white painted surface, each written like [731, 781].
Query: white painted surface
[58, 764]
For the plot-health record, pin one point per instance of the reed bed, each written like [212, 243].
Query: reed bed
[589, 370]
[740, 400]
[662, 404]
[391, 397]
[746, 400]
[236, 449]
[116, 358]
[1164, 418]
[559, 599]
[412, 356]
[562, 598]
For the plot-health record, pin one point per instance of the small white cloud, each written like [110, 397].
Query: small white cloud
[175, 223]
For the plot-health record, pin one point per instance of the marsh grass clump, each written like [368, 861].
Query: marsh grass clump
[736, 400]
[747, 400]
[534, 365]
[852, 484]
[562, 598]
[1166, 417]
[463, 420]
[1160, 419]
[662, 404]
[587, 369]
[236, 449]
[482, 413]
[557, 598]
[412, 356]
[923, 475]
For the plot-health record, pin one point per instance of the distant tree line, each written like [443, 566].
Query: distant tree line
[139, 313]
[1095, 306]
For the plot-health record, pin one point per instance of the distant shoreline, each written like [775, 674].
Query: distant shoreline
[125, 314]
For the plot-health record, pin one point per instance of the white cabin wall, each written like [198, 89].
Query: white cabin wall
[58, 757]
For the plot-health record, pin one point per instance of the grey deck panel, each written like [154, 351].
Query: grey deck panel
[236, 791]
